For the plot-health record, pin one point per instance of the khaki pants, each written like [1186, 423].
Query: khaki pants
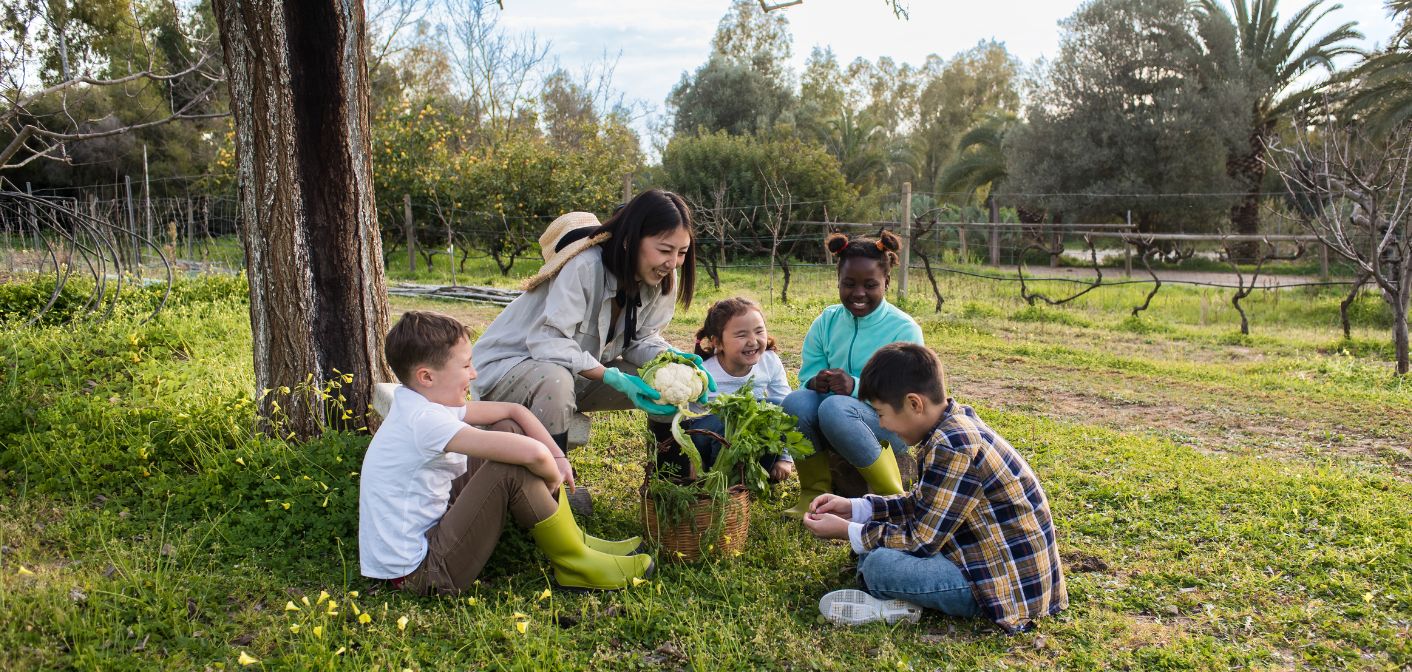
[554, 394]
[460, 543]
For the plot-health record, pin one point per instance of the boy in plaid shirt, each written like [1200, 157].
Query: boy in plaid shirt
[974, 537]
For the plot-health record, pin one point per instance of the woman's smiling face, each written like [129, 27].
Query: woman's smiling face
[659, 255]
[862, 283]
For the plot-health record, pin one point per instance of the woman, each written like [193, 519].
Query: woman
[593, 314]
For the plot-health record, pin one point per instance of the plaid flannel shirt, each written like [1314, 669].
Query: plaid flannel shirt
[979, 504]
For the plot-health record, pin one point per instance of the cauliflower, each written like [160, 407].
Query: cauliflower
[678, 383]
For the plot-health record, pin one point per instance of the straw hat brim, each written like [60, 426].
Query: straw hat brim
[556, 263]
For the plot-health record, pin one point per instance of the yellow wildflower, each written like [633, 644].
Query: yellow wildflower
[247, 659]
[240, 461]
[285, 505]
[289, 606]
[365, 619]
[319, 631]
[294, 628]
[305, 600]
[352, 593]
[522, 626]
[637, 582]
[323, 595]
[471, 601]
[545, 595]
[340, 650]
[402, 623]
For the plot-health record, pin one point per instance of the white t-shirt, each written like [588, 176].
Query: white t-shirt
[770, 379]
[405, 484]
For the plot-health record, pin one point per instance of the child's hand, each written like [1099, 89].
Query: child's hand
[826, 525]
[566, 472]
[781, 470]
[553, 483]
[836, 381]
[831, 503]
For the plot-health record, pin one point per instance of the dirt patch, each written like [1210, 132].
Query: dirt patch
[1208, 418]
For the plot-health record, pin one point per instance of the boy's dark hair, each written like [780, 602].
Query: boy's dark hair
[650, 213]
[882, 248]
[899, 369]
[717, 316]
[422, 338]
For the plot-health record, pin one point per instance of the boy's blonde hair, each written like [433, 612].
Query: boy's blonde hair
[422, 338]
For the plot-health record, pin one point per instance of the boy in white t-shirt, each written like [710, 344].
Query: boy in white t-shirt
[434, 488]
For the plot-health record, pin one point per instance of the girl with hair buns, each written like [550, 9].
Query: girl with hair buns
[838, 344]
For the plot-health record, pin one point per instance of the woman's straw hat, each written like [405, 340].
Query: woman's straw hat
[554, 258]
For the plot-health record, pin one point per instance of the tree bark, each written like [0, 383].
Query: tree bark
[1248, 171]
[318, 297]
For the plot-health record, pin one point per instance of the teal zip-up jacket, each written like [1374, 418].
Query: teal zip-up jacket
[838, 340]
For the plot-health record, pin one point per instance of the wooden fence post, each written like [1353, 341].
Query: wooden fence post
[965, 253]
[190, 227]
[1128, 250]
[994, 232]
[906, 238]
[136, 251]
[627, 187]
[411, 232]
[1323, 261]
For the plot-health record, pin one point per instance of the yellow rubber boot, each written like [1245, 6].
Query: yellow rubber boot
[814, 480]
[882, 475]
[576, 565]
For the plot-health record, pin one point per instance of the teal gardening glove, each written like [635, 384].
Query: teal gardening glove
[696, 361]
[638, 392]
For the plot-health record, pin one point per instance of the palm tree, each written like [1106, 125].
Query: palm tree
[860, 145]
[980, 159]
[1383, 83]
[1268, 59]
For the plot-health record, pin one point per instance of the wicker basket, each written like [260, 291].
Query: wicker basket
[682, 542]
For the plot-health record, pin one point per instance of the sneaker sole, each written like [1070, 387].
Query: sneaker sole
[856, 607]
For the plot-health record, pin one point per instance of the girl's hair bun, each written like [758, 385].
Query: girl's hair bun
[836, 243]
[890, 240]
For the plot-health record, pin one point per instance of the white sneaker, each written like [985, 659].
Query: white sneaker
[856, 607]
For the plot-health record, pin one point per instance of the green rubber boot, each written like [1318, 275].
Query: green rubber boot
[814, 480]
[882, 475]
[576, 565]
[629, 546]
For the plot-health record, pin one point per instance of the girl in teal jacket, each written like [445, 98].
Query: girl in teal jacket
[837, 346]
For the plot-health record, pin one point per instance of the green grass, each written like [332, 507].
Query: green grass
[1221, 502]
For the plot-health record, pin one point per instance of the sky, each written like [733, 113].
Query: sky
[659, 41]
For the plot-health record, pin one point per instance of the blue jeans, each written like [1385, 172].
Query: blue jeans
[842, 424]
[933, 582]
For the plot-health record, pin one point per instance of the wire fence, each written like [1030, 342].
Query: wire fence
[154, 237]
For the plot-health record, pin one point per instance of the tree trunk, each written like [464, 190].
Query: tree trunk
[318, 299]
[1399, 339]
[1248, 171]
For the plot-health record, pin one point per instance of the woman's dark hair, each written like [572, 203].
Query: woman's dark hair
[650, 213]
[717, 316]
[882, 248]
